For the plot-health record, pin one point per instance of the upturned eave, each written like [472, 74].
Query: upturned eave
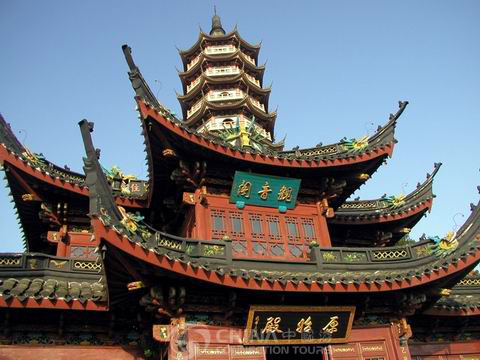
[415, 267]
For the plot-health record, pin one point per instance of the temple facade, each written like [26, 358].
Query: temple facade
[233, 247]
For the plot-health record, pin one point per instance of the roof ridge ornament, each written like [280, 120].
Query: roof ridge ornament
[217, 29]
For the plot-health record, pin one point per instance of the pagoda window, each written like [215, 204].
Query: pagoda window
[194, 83]
[220, 49]
[248, 58]
[194, 62]
[222, 95]
[252, 79]
[194, 108]
[222, 70]
[258, 104]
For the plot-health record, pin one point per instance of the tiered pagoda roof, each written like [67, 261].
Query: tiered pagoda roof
[223, 92]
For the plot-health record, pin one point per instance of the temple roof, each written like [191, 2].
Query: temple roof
[40, 281]
[34, 181]
[463, 300]
[361, 211]
[354, 160]
[382, 221]
[326, 270]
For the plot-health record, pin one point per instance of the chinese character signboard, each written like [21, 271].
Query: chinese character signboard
[276, 325]
[261, 190]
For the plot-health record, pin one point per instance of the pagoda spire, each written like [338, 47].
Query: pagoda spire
[217, 29]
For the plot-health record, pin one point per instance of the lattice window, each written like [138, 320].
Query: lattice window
[296, 251]
[256, 225]
[292, 229]
[10, 261]
[390, 254]
[308, 229]
[469, 282]
[237, 228]
[259, 248]
[87, 266]
[273, 226]
[277, 250]
[218, 224]
[240, 248]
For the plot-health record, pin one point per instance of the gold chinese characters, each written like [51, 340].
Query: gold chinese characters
[285, 194]
[265, 191]
[305, 325]
[272, 325]
[244, 189]
[331, 327]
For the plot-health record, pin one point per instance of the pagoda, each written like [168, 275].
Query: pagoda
[232, 248]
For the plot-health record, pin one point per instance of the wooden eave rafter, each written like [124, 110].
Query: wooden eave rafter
[235, 273]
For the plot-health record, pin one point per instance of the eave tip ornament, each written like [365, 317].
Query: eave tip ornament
[445, 246]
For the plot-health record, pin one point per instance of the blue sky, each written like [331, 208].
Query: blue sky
[338, 69]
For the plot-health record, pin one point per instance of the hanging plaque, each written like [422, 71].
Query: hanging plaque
[264, 190]
[277, 325]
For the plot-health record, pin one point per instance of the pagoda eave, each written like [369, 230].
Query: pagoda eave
[302, 283]
[282, 159]
[203, 36]
[377, 272]
[8, 158]
[258, 69]
[59, 304]
[381, 218]
[210, 80]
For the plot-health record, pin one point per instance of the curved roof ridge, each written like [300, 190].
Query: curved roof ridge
[169, 252]
[383, 133]
[420, 189]
[8, 138]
